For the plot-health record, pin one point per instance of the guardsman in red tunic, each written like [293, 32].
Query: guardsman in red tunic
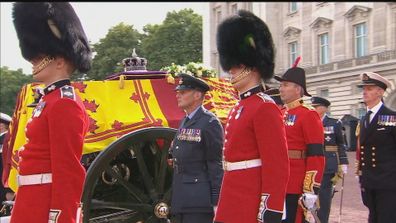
[305, 145]
[51, 176]
[256, 166]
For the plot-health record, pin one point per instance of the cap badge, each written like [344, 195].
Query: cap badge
[365, 77]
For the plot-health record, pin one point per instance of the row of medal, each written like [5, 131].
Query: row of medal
[290, 119]
[387, 120]
[328, 129]
[193, 135]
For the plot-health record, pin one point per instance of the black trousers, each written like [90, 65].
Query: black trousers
[325, 197]
[381, 204]
[293, 211]
[193, 218]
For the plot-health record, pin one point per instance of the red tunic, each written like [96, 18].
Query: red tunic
[304, 132]
[254, 131]
[55, 137]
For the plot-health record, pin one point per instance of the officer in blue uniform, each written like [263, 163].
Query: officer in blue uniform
[336, 158]
[5, 121]
[196, 152]
[377, 152]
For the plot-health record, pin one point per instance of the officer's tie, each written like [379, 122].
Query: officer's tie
[367, 119]
[186, 120]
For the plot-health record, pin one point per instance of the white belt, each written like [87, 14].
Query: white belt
[6, 219]
[34, 179]
[241, 165]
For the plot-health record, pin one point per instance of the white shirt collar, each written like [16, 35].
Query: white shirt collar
[375, 109]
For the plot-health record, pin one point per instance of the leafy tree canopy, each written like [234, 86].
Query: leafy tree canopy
[109, 51]
[11, 82]
[177, 40]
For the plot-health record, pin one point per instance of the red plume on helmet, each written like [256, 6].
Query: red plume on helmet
[296, 61]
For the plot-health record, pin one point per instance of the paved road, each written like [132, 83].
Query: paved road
[353, 210]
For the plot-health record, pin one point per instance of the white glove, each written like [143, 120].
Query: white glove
[344, 168]
[308, 200]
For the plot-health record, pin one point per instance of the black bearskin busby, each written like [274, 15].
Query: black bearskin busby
[245, 39]
[51, 29]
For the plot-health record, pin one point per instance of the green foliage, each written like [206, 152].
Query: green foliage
[117, 45]
[195, 69]
[177, 40]
[11, 82]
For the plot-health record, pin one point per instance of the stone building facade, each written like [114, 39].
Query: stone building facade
[336, 40]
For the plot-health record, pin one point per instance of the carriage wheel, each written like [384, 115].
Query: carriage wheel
[130, 181]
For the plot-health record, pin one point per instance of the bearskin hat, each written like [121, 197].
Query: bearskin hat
[53, 29]
[245, 39]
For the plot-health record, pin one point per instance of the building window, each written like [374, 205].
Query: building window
[292, 52]
[234, 9]
[324, 48]
[218, 16]
[292, 7]
[324, 93]
[360, 39]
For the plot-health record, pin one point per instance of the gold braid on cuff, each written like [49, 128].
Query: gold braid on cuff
[309, 182]
[43, 64]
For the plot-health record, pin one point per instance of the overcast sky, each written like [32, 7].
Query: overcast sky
[97, 19]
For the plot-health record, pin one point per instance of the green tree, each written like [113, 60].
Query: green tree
[11, 82]
[177, 40]
[109, 51]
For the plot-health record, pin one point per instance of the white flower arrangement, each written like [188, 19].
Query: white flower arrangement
[194, 69]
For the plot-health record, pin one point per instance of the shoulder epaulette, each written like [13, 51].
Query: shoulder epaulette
[309, 107]
[211, 115]
[265, 97]
[333, 119]
[67, 91]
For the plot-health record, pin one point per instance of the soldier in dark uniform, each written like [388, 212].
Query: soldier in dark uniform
[5, 192]
[50, 175]
[377, 152]
[197, 156]
[336, 158]
[5, 121]
[305, 139]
